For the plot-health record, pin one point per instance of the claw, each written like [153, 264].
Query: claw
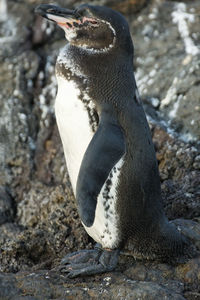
[83, 270]
[89, 262]
[81, 256]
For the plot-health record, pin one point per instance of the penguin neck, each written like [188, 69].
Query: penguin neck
[95, 70]
[89, 60]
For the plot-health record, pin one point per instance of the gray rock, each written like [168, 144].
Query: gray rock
[190, 229]
[180, 173]
[8, 288]
[167, 62]
[7, 207]
[46, 285]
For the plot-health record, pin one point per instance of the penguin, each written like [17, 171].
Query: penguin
[107, 142]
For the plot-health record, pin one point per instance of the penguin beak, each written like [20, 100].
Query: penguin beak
[65, 18]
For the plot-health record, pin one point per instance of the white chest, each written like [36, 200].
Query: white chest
[73, 124]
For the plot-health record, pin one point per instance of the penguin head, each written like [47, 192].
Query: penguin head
[93, 28]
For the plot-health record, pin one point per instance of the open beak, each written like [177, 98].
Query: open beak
[65, 18]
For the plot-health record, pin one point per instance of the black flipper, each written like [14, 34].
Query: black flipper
[104, 151]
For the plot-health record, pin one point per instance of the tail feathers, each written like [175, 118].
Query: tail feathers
[171, 242]
[162, 242]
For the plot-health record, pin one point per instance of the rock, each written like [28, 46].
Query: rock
[189, 272]
[192, 296]
[7, 207]
[8, 289]
[170, 73]
[190, 229]
[127, 6]
[180, 174]
[116, 286]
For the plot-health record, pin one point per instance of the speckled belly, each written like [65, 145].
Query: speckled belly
[105, 227]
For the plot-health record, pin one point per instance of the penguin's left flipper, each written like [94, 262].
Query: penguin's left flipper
[106, 148]
[89, 262]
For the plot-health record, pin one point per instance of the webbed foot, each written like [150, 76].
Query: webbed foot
[89, 262]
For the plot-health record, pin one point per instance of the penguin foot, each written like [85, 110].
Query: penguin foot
[89, 262]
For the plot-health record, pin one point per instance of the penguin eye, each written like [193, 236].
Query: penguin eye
[86, 21]
[93, 22]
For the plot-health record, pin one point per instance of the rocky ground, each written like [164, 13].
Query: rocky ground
[39, 223]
